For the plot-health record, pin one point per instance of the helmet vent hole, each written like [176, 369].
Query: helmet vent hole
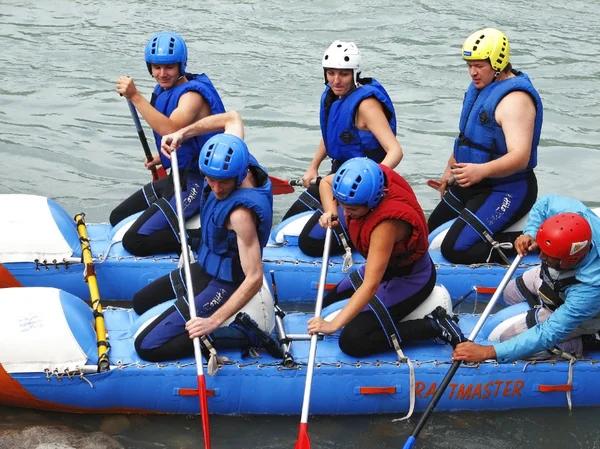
[326, 57]
[346, 58]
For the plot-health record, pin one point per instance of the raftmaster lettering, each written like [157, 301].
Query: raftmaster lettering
[492, 389]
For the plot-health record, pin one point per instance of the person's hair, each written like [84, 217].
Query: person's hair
[508, 69]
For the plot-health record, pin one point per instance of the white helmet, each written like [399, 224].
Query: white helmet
[343, 55]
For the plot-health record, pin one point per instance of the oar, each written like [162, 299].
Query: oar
[281, 186]
[410, 442]
[303, 440]
[435, 185]
[190, 295]
[7, 280]
[159, 172]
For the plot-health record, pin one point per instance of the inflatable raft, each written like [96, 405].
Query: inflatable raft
[40, 246]
[49, 360]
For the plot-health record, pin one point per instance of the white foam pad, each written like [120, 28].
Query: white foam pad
[34, 333]
[28, 231]
[294, 228]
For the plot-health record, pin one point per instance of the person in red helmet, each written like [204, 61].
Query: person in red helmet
[563, 292]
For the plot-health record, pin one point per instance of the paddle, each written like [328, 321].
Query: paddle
[410, 442]
[281, 186]
[157, 173]
[303, 440]
[7, 280]
[435, 185]
[192, 304]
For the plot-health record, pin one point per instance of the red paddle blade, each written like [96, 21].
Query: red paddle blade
[204, 410]
[7, 280]
[280, 186]
[434, 184]
[158, 173]
[303, 440]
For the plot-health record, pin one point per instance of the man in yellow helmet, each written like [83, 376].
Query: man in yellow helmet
[494, 155]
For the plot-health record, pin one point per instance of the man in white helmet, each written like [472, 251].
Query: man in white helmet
[357, 120]
[493, 158]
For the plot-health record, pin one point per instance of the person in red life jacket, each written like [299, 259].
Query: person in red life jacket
[179, 99]
[387, 226]
[494, 156]
[357, 119]
[563, 292]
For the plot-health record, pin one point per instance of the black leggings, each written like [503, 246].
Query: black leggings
[137, 202]
[497, 207]
[298, 207]
[364, 336]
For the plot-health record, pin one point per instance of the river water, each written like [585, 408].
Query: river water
[66, 134]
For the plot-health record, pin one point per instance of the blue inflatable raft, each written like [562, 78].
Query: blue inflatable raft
[40, 246]
[49, 360]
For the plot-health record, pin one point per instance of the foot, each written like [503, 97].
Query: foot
[448, 330]
[257, 338]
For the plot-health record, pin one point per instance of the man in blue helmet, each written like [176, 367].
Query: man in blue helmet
[387, 226]
[236, 206]
[179, 99]
[494, 156]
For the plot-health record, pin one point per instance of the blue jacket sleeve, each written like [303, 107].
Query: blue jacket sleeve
[582, 303]
[548, 206]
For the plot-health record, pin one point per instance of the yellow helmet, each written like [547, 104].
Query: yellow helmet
[488, 43]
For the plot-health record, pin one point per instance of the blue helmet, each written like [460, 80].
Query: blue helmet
[359, 181]
[224, 156]
[166, 47]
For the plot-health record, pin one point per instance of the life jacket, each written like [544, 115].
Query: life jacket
[218, 252]
[399, 203]
[343, 140]
[481, 138]
[551, 293]
[166, 101]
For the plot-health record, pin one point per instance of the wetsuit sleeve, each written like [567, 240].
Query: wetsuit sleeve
[582, 303]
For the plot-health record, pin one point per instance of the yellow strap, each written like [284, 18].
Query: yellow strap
[90, 278]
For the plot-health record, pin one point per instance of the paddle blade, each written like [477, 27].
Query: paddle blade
[280, 186]
[434, 184]
[158, 173]
[204, 410]
[7, 280]
[303, 440]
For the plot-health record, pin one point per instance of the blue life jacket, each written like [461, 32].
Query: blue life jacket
[481, 139]
[166, 101]
[343, 140]
[218, 253]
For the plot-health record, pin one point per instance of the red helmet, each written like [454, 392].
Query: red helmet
[566, 237]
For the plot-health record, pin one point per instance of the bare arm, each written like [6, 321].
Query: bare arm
[242, 222]
[326, 193]
[312, 172]
[371, 116]
[190, 107]
[230, 122]
[516, 115]
[383, 238]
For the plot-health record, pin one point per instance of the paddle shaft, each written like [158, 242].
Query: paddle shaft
[452, 371]
[142, 136]
[313, 339]
[191, 299]
[299, 183]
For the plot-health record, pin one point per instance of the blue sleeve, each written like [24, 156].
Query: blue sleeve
[548, 206]
[582, 303]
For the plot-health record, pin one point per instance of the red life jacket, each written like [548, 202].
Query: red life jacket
[399, 203]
